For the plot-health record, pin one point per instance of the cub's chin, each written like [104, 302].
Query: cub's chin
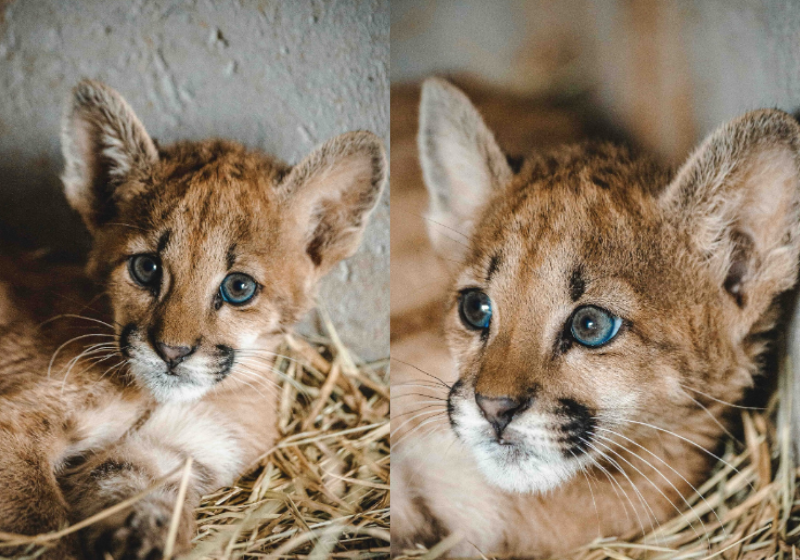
[166, 387]
[169, 388]
[528, 459]
[521, 469]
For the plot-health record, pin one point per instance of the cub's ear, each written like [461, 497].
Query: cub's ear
[102, 142]
[333, 191]
[462, 163]
[738, 200]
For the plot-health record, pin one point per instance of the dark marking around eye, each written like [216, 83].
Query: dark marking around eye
[515, 163]
[163, 241]
[563, 343]
[231, 256]
[602, 183]
[494, 264]
[577, 286]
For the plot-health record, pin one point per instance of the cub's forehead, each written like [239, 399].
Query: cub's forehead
[205, 198]
[564, 229]
[210, 183]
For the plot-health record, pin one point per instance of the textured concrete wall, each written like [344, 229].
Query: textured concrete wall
[277, 75]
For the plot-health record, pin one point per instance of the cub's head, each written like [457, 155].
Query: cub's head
[208, 250]
[600, 302]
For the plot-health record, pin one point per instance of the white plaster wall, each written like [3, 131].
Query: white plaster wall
[282, 76]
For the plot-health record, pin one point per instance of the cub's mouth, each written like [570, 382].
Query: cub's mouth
[174, 373]
[526, 445]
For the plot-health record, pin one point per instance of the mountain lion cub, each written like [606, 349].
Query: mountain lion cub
[603, 314]
[207, 251]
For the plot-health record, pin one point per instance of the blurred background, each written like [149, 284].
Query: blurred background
[664, 71]
[279, 76]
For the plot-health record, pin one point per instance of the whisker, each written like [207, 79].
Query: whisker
[422, 371]
[652, 515]
[417, 395]
[589, 485]
[614, 485]
[436, 405]
[759, 408]
[711, 509]
[405, 436]
[698, 446]
[75, 316]
[415, 417]
[65, 344]
[654, 485]
[426, 218]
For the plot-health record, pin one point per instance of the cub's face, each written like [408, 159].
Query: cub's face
[208, 251]
[600, 305]
[567, 335]
[203, 271]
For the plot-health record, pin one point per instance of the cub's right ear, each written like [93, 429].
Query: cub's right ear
[737, 199]
[332, 192]
[103, 143]
[462, 163]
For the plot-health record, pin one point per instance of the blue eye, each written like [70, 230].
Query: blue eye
[592, 326]
[475, 309]
[145, 270]
[237, 288]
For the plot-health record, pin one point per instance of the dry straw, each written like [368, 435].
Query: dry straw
[322, 491]
[753, 490]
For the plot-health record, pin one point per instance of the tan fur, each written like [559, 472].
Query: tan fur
[692, 263]
[90, 430]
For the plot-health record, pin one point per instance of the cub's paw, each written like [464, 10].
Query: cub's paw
[140, 534]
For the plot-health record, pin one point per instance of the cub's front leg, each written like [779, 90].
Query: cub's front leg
[139, 531]
[161, 446]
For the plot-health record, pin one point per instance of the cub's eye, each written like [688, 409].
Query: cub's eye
[237, 288]
[145, 270]
[592, 326]
[475, 309]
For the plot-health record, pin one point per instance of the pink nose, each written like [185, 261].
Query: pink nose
[173, 355]
[499, 411]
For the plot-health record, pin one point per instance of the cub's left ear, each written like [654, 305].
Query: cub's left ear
[332, 193]
[738, 199]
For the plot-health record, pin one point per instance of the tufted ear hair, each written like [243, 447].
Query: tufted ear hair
[738, 200]
[103, 143]
[462, 164]
[333, 191]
